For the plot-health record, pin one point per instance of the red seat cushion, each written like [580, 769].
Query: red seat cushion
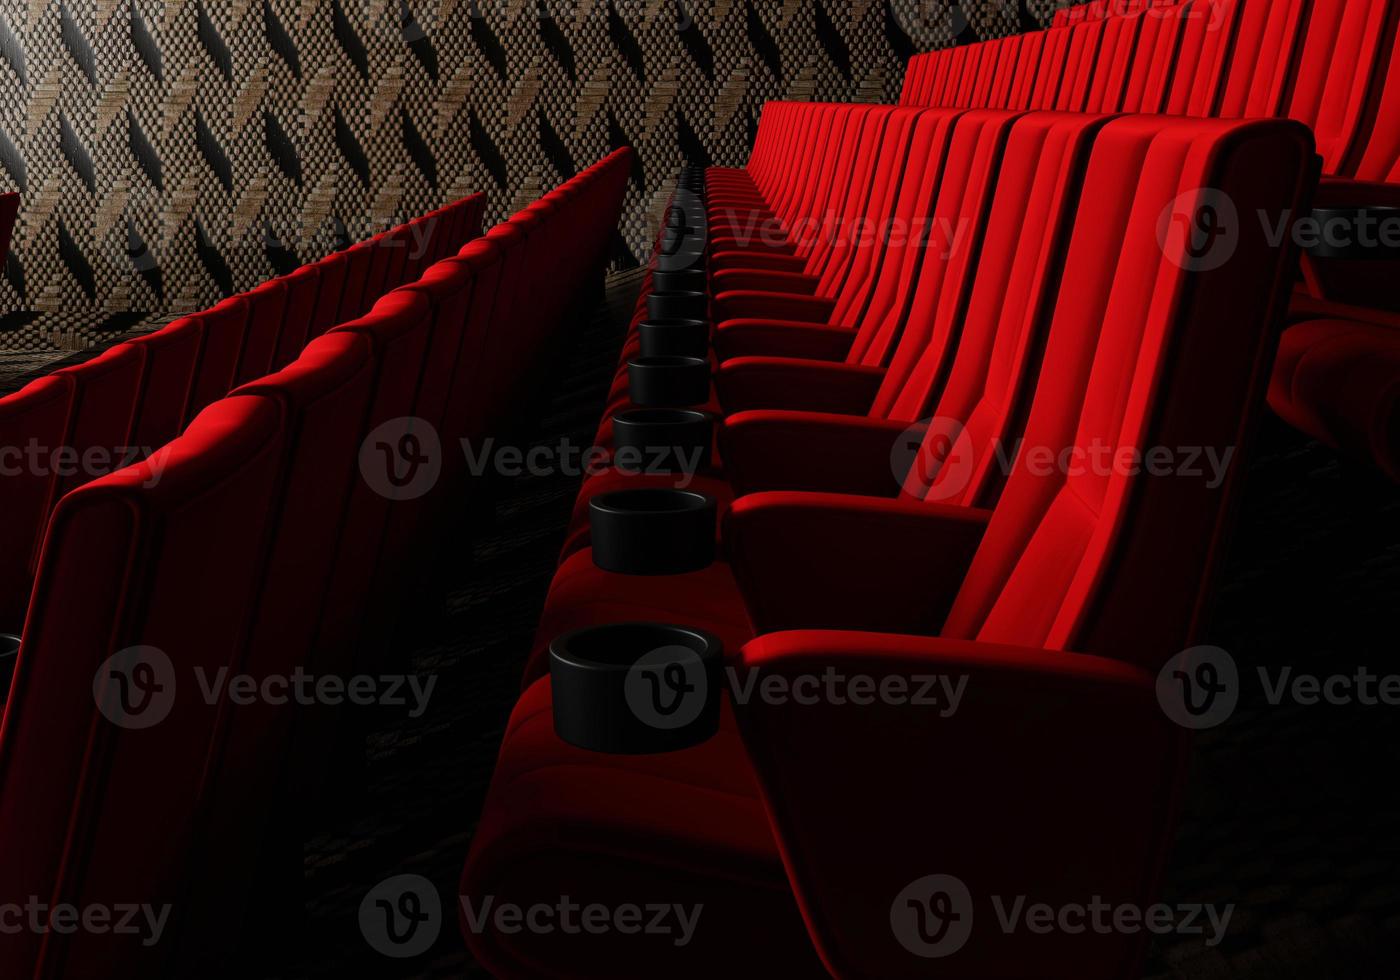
[685, 827]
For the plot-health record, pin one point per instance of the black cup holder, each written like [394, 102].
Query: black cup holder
[685, 305]
[672, 439]
[636, 688]
[652, 532]
[677, 260]
[678, 281]
[1356, 233]
[674, 337]
[668, 382]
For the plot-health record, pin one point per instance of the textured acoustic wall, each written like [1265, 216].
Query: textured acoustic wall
[171, 151]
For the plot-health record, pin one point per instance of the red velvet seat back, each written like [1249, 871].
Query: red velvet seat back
[223, 328]
[170, 355]
[399, 333]
[956, 223]
[322, 399]
[95, 809]
[996, 359]
[899, 196]
[1079, 556]
[303, 289]
[330, 285]
[36, 415]
[358, 258]
[104, 404]
[267, 310]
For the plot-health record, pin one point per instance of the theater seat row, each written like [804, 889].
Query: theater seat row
[1054, 318]
[254, 542]
[79, 422]
[1330, 64]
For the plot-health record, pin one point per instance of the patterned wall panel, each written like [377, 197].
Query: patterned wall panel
[171, 151]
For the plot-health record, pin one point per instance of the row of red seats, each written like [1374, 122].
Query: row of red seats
[1330, 64]
[79, 422]
[254, 542]
[1041, 311]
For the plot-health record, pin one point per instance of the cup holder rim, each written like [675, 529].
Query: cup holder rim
[677, 293]
[1355, 209]
[9, 644]
[662, 416]
[703, 643]
[678, 501]
[667, 360]
[672, 322]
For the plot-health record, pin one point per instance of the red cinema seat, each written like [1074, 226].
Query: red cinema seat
[1338, 381]
[358, 258]
[322, 399]
[330, 285]
[267, 311]
[128, 606]
[105, 390]
[222, 331]
[303, 289]
[399, 332]
[36, 416]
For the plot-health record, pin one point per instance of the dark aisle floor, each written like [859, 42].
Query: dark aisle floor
[1292, 815]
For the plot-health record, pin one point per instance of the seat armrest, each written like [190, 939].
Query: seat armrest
[1353, 220]
[812, 451]
[1341, 192]
[746, 383]
[757, 242]
[767, 305]
[778, 262]
[894, 768]
[783, 338]
[833, 561]
[766, 280]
